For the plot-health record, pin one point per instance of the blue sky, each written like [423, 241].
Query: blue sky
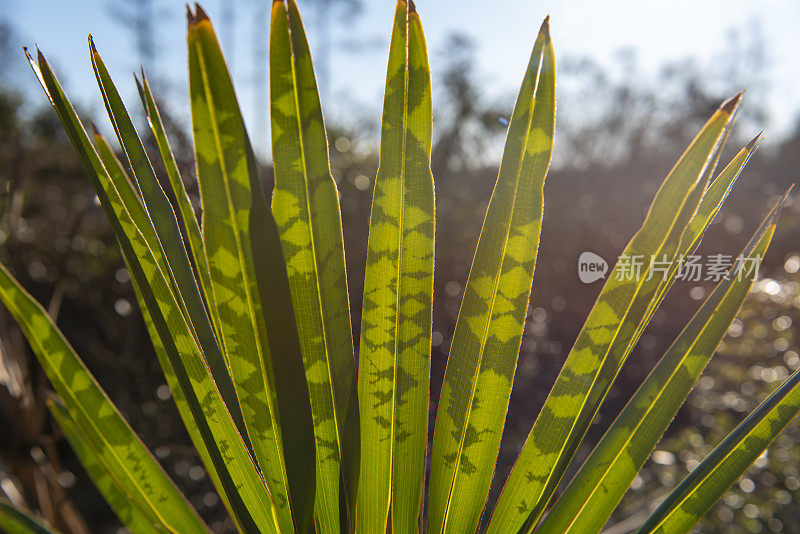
[658, 30]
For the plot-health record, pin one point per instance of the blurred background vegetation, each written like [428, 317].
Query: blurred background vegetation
[618, 134]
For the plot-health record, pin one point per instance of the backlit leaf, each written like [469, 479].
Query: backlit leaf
[394, 356]
[485, 346]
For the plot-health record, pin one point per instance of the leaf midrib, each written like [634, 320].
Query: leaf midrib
[401, 229]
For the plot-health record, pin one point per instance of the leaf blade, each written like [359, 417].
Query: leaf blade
[16, 521]
[188, 216]
[599, 485]
[710, 204]
[602, 345]
[727, 462]
[305, 205]
[239, 478]
[396, 320]
[92, 409]
[166, 235]
[110, 488]
[468, 426]
[236, 225]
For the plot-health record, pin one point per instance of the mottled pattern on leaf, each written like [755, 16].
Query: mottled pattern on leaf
[306, 208]
[394, 365]
[483, 354]
[623, 307]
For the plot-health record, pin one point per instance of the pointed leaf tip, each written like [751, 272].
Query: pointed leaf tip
[730, 105]
[140, 89]
[544, 29]
[36, 63]
[199, 13]
[754, 141]
[412, 8]
[30, 59]
[780, 205]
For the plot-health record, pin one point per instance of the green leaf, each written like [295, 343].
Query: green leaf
[188, 217]
[118, 176]
[116, 443]
[238, 476]
[712, 200]
[394, 356]
[594, 492]
[305, 205]
[178, 396]
[112, 489]
[234, 208]
[228, 459]
[603, 343]
[709, 206]
[195, 241]
[292, 392]
[715, 195]
[698, 492]
[167, 235]
[488, 332]
[16, 521]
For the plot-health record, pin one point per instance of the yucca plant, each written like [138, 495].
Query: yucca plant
[248, 311]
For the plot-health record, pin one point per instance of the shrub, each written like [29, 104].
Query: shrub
[248, 311]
